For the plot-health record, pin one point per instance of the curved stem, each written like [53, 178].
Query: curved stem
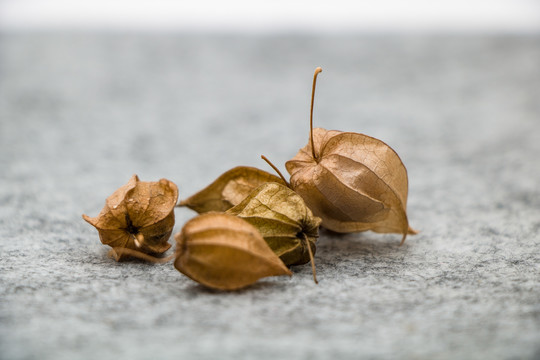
[409, 231]
[317, 71]
[403, 239]
[117, 253]
[311, 259]
[276, 170]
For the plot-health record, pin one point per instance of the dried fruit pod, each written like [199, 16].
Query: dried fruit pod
[224, 252]
[354, 182]
[139, 216]
[283, 219]
[285, 222]
[229, 189]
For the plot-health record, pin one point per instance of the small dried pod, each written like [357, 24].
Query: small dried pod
[222, 251]
[137, 218]
[354, 182]
[283, 219]
[229, 189]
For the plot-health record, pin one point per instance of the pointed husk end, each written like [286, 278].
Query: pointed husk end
[92, 221]
[120, 253]
[410, 231]
[183, 203]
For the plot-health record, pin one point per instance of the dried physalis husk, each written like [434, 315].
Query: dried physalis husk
[137, 218]
[283, 219]
[352, 181]
[229, 189]
[224, 252]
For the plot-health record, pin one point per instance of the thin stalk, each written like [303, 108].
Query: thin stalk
[276, 170]
[403, 239]
[317, 71]
[311, 259]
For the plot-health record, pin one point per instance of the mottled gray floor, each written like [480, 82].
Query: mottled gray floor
[79, 114]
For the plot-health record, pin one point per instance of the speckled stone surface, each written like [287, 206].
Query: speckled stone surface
[80, 113]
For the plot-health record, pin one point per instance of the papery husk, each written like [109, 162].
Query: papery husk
[138, 216]
[283, 219]
[229, 189]
[354, 183]
[222, 251]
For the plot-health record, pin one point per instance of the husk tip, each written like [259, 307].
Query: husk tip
[285, 269]
[411, 231]
[184, 203]
[114, 254]
[289, 273]
[88, 219]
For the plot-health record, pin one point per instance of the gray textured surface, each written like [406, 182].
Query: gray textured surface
[79, 114]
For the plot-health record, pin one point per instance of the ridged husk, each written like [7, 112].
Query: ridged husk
[222, 251]
[138, 216]
[229, 189]
[354, 183]
[283, 219]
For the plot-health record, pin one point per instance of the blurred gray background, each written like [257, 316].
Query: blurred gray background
[84, 108]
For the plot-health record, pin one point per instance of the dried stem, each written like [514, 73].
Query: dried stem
[409, 231]
[311, 259]
[117, 252]
[276, 170]
[317, 71]
[403, 239]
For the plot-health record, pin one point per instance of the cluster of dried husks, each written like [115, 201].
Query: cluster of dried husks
[253, 224]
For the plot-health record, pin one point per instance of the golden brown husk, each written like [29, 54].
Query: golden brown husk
[222, 251]
[283, 219]
[138, 216]
[355, 183]
[229, 189]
